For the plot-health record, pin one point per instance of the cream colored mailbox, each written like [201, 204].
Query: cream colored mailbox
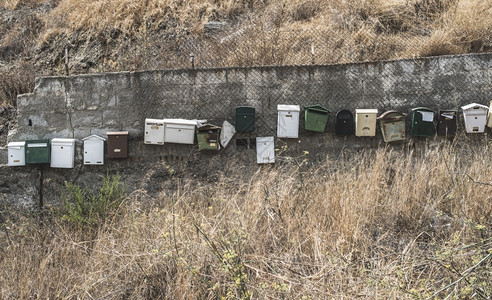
[154, 132]
[365, 122]
[179, 131]
[265, 151]
[62, 153]
[489, 121]
[17, 155]
[94, 150]
[288, 121]
[475, 116]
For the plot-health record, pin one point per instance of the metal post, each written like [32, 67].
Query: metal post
[192, 60]
[66, 61]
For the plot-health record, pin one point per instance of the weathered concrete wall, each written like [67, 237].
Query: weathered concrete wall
[81, 105]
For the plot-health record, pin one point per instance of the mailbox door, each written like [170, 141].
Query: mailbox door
[393, 131]
[154, 132]
[288, 124]
[179, 134]
[475, 123]
[38, 152]
[117, 146]
[93, 152]
[265, 150]
[315, 120]
[447, 122]
[344, 123]
[423, 123]
[365, 124]
[16, 153]
[62, 156]
[208, 141]
[245, 119]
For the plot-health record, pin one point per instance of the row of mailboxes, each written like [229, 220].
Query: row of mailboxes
[60, 152]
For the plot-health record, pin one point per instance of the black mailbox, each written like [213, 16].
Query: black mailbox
[446, 122]
[344, 123]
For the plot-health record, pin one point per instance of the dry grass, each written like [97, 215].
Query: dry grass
[378, 225]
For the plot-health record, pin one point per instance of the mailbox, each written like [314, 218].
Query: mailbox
[179, 131]
[475, 116]
[17, 154]
[423, 122]
[62, 153]
[446, 122]
[392, 126]
[288, 121]
[154, 132]
[245, 118]
[344, 124]
[94, 150]
[315, 118]
[489, 117]
[208, 137]
[37, 152]
[117, 144]
[365, 122]
[265, 150]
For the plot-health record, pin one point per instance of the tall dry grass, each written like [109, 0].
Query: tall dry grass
[380, 224]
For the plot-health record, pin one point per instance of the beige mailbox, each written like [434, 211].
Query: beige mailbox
[154, 132]
[365, 122]
[475, 116]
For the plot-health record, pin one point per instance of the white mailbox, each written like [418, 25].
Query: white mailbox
[288, 121]
[365, 122]
[62, 153]
[265, 151]
[154, 132]
[179, 131]
[17, 154]
[94, 150]
[475, 116]
[489, 121]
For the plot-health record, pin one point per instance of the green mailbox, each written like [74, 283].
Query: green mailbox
[245, 118]
[208, 137]
[315, 117]
[38, 151]
[423, 122]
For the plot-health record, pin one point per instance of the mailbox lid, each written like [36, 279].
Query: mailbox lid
[37, 151]
[265, 150]
[16, 154]
[447, 121]
[344, 124]
[474, 109]
[62, 153]
[284, 107]
[423, 122]
[117, 144]
[392, 116]
[245, 118]
[315, 118]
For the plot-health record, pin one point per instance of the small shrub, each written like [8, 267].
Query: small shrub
[82, 207]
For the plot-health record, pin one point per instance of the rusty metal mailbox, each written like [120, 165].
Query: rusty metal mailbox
[392, 126]
[423, 122]
[208, 137]
[117, 144]
[446, 122]
[344, 124]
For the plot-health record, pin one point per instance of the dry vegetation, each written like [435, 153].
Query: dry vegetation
[119, 35]
[378, 225]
